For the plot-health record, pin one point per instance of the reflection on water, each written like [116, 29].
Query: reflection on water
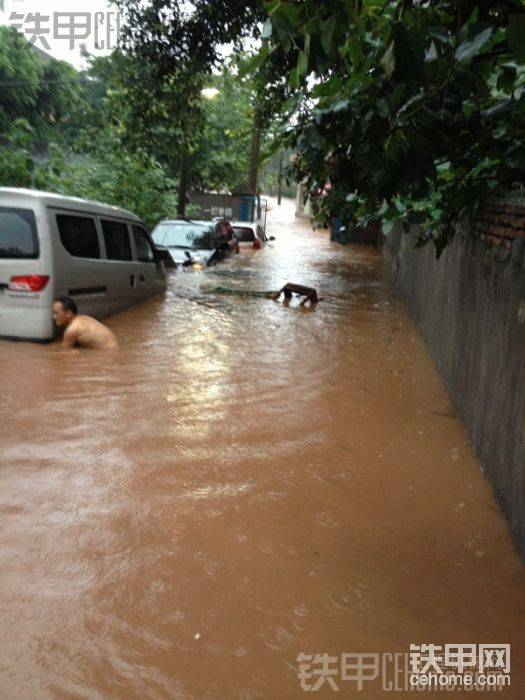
[242, 483]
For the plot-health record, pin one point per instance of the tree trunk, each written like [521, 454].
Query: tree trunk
[254, 161]
[183, 179]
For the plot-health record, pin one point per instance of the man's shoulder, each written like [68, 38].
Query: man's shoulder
[78, 324]
[83, 321]
[72, 328]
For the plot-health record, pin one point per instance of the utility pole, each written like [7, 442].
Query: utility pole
[183, 179]
[280, 178]
[254, 160]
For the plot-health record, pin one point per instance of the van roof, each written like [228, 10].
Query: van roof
[51, 199]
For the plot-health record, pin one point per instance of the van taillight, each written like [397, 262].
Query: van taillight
[256, 244]
[28, 283]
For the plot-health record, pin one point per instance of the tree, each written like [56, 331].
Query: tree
[20, 73]
[16, 164]
[220, 159]
[38, 88]
[412, 111]
[171, 47]
[111, 173]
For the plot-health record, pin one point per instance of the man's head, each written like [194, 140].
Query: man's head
[64, 311]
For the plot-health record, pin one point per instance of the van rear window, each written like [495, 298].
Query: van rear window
[79, 236]
[18, 236]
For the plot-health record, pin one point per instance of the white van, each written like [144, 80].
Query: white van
[52, 246]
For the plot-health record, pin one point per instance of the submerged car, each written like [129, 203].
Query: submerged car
[249, 234]
[190, 242]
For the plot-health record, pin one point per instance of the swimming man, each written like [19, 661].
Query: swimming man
[81, 331]
[309, 293]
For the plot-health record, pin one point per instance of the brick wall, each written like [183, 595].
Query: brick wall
[470, 309]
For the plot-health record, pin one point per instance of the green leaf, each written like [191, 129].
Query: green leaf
[291, 12]
[307, 41]
[275, 145]
[251, 65]
[400, 206]
[339, 106]
[431, 54]
[388, 62]
[272, 6]
[293, 78]
[507, 79]
[498, 109]
[330, 88]
[327, 35]
[355, 50]
[387, 226]
[440, 34]
[468, 49]
[516, 37]
[302, 64]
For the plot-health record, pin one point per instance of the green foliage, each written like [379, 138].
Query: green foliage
[60, 135]
[18, 64]
[110, 173]
[116, 132]
[38, 89]
[411, 111]
[16, 164]
[220, 159]
[166, 58]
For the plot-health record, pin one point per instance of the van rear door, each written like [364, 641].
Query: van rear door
[26, 288]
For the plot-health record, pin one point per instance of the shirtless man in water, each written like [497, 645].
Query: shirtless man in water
[309, 293]
[81, 331]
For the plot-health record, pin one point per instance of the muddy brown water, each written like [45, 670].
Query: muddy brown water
[242, 483]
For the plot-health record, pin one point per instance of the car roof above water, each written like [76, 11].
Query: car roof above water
[245, 224]
[186, 221]
[51, 199]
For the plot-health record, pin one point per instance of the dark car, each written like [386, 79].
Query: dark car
[189, 241]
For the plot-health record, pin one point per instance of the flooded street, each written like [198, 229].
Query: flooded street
[243, 482]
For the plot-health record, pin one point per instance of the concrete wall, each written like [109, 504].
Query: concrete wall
[235, 207]
[470, 308]
[213, 204]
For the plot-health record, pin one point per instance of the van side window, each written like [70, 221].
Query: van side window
[117, 240]
[79, 236]
[142, 245]
[18, 238]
